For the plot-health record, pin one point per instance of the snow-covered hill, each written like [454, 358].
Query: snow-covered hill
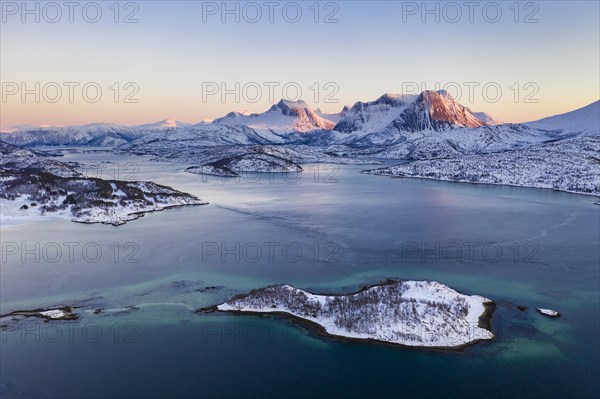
[585, 121]
[13, 157]
[95, 134]
[164, 124]
[92, 134]
[450, 143]
[568, 165]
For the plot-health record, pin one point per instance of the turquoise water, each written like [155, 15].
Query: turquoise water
[325, 232]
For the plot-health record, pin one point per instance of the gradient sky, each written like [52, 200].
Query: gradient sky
[171, 51]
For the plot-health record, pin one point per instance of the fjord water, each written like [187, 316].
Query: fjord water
[331, 229]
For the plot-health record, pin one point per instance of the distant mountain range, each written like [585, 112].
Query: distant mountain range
[388, 120]
[442, 138]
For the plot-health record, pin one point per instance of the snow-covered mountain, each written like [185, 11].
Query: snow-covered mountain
[374, 116]
[96, 134]
[392, 118]
[435, 110]
[284, 117]
[428, 125]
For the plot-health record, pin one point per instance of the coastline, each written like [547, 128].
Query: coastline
[129, 217]
[318, 330]
[368, 172]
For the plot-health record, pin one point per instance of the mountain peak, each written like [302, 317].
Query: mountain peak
[439, 95]
[285, 105]
[293, 102]
[436, 110]
[429, 110]
[286, 116]
[169, 123]
[446, 95]
[392, 99]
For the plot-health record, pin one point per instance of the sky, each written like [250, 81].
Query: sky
[141, 62]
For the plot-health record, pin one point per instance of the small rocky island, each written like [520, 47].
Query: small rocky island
[253, 160]
[548, 312]
[54, 313]
[34, 185]
[407, 313]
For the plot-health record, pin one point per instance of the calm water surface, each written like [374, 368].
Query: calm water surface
[331, 229]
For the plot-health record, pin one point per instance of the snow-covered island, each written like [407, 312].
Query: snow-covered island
[409, 313]
[255, 160]
[33, 186]
[548, 312]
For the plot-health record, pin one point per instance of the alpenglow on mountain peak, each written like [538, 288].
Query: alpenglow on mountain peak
[429, 110]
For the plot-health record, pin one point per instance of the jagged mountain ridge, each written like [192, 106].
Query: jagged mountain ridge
[436, 111]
